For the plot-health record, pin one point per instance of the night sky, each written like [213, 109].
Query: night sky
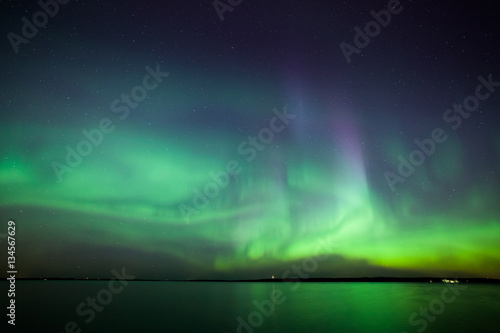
[184, 140]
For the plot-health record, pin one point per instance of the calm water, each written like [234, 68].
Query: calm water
[47, 306]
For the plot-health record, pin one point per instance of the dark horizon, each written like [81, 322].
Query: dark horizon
[291, 280]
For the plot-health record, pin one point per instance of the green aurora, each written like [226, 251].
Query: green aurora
[275, 212]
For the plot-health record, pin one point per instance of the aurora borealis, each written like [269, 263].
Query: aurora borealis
[207, 177]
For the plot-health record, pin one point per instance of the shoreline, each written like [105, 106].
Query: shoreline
[310, 280]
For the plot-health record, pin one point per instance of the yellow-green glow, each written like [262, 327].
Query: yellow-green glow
[270, 214]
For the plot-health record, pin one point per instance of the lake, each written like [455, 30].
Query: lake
[140, 306]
